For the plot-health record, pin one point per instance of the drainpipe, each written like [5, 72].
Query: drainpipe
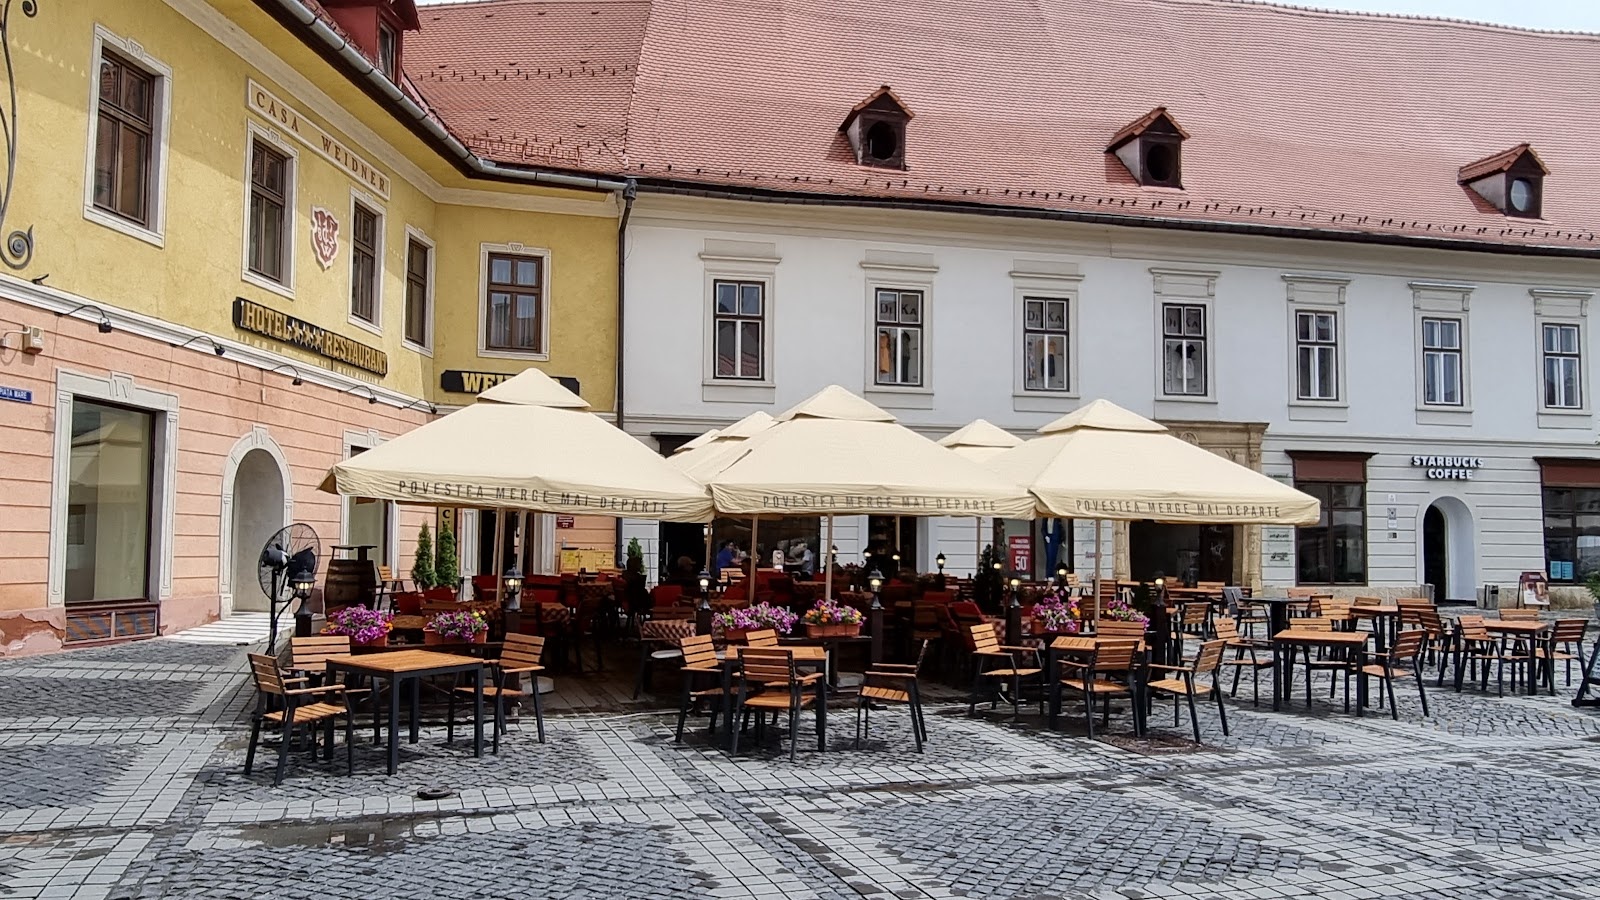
[364, 68]
[629, 191]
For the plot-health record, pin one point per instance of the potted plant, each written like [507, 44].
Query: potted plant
[735, 624]
[461, 626]
[366, 627]
[422, 564]
[1057, 613]
[829, 618]
[446, 564]
[1118, 610]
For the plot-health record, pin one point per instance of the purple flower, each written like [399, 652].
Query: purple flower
[756, 618]
[458, 625]
[361, 625]
[1059, 613]
[831, 612]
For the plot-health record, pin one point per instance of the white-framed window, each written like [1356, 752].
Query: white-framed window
[1183, 350]
[130, 112]
[1047, 344]
[419, 291]
[898, 337]
[365, 521]
[513, 302]
[1316, 354]
[1442, 351]
[366, 263]
[113, 491]
[271, 176]
[739, 327]
[1562, 365]
[388, 52]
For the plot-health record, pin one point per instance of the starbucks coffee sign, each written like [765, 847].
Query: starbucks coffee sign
[1448, 468]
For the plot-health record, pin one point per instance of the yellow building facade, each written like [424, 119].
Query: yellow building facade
[234, 258]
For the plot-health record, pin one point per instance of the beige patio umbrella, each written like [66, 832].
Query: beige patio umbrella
[1103, 462]
[979, 441]
[837, 454]
[700, 441]
[528, 444]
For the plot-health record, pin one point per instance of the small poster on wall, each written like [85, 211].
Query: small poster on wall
[1534, 588]
[1021, 551]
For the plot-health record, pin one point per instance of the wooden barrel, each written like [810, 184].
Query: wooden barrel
[350, 582]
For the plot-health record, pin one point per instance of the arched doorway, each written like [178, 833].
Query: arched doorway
[258, 511]
[1449, 562]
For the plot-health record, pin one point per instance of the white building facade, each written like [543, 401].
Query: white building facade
[1437, 401]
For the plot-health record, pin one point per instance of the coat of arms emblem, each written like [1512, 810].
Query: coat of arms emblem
[324, 236]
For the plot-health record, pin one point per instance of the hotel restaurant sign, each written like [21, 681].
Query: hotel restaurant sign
[257, 319]
[322, 143]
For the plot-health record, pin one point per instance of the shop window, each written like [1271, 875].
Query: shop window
[1333, 551]
[271, 183]
[365, 233]
[1571, 533]
[514, 295]
[739, 326]
[899, 317]
[1044, 344]
[109, 503]
[419, 293]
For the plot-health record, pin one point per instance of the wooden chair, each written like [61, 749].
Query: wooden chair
[388, 585]
[1104, 669]
[1435, 637]
[1184, 684]
[1477, 648]
[1193, 620]
[1564, 645]
[927, 624]
[298, 708]
[699, 663]
[986, 647]
[1404, 660]
[520, 655]
[1334, 661]
[766, 638]
[308, 658]
[1519, 615]
[1228, 633]
[771, 673]
[893, 683]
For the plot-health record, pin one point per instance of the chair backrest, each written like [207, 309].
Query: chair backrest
[1227, 629]
[264, 669]
[672, 612]
[1326, 606]
[1195, 613]
[922, 654]
[699, 651]
[385, 573]
[1570, 631]
[1428, 619]
[1406, 645]
[925, 617]
[521, 650]
[1209, 585]
[1114, 656]
[665, 594]
[1073, 644]
[767, 637]
[766, 665]
[1114, 628]
[1313, 623]
[1412, 602]
[1302, 593]
[1209, 659]
[310, 654]
[1230, 598]
[1473, 629]
[984, 639]
[1512, 615]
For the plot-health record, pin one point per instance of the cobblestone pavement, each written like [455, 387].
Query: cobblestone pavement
[121, 777]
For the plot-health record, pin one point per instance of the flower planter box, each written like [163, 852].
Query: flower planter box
[832, 631]
[735, 635]
[376, 642]
[431, 637]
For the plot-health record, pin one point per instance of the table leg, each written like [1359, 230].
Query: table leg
[395, 684]
[1277, 617]
[1277, 675]
[416, 700]
[1361, 680]
[727, 703]
[477, 710]
[822, 716]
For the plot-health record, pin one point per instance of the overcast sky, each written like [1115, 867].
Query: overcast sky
[1570, 15]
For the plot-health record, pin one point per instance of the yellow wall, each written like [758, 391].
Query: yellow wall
[193, 279]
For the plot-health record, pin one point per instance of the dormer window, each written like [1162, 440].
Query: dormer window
[388, 45]
[1512, 181]
[1151, 149]
[876, 129]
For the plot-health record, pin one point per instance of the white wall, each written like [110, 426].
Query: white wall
[819, 309]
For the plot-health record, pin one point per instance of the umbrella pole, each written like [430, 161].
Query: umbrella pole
[1098, 552]
[977, 549]
[709, 558]
[522, 539]
[755, 558]
[827, 569]
[499, 552]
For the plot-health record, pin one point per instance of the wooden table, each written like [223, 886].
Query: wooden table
[1284, 642]
[1529, 630]
[1385, 622]
[807, 656]
[401, 666]
[1277, 610]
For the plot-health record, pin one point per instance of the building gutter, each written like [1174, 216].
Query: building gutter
[334, 45]
[629, 192]
[798, 198]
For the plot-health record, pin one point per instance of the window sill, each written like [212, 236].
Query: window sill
[762, 392]
[1186, 398]
[528, 355]
[1564, 418]
[267, 284]
[1331, 411]
[117, 223]
[900, 398]
[417, 348]
[1444, 415]
[1044, 401]
[364, 325]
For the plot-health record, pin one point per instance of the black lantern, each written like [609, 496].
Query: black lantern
[705, 589]
[512, 580]
[1016, 592]
[875, 584]
[939, 561]
[1061, 575]
[300, 584]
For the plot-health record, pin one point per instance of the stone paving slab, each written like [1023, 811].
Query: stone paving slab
[120, 777]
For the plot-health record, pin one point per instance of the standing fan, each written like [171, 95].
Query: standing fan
[292, 550]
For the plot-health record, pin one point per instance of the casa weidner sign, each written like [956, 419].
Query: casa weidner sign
[458, 381]
[1448, 468]
[257, 319]
[322, 143]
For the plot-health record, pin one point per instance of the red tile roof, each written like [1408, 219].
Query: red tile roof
[1500, 162]
[1142, 124]
[1297, 118]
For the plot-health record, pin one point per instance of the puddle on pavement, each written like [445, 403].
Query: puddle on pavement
[368, 836]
